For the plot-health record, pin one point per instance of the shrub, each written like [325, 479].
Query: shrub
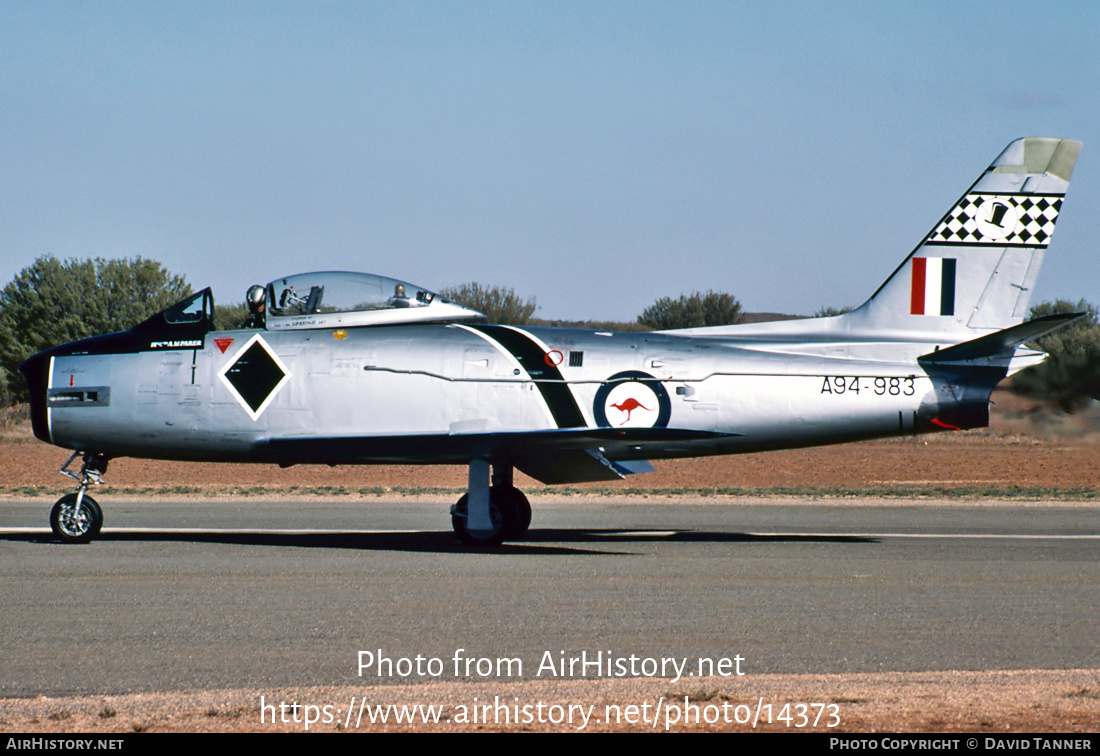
[694, 311]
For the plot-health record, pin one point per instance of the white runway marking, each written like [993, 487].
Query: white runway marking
[653, 534]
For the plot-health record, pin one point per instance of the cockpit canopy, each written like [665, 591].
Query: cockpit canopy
[339, 299]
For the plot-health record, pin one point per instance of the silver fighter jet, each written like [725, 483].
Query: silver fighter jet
[348, 368]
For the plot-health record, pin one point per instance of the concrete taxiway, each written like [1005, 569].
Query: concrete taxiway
[182, 595]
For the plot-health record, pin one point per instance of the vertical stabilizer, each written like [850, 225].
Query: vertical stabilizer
[975, 270]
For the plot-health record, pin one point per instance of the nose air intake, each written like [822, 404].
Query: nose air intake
[35, 372]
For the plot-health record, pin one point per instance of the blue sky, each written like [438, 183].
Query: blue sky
[596, 156]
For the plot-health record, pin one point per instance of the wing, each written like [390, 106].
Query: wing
[557, 456]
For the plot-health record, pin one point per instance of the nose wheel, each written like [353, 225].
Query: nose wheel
[77, 517]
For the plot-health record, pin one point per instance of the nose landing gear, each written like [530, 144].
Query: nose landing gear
[76, 517]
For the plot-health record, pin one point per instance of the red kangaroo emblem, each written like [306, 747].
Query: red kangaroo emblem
[628, 406]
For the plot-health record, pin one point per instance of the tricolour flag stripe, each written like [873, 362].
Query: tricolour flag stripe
[933, 291]
[947, 286]
[917, 300]
[933, 282]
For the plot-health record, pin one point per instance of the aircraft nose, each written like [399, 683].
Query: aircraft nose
[35, 372]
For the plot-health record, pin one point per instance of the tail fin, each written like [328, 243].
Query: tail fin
[974, 271]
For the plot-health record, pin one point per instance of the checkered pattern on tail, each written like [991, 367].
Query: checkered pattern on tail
[986, 220]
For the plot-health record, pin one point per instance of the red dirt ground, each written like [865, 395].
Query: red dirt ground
[1026, 446]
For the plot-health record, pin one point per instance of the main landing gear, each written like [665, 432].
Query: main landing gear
[487, 516]
[76, 517]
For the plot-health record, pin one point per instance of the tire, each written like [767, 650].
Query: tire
[523, 513]
[502, 511]
[76, 526]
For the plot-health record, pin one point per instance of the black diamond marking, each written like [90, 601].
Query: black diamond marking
[254, 376]
[1037, 216]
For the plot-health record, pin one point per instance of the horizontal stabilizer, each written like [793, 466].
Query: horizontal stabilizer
[1002, 343]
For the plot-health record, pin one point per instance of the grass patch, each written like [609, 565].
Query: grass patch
[1023, 493]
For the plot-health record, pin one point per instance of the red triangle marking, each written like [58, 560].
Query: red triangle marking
[222, 344]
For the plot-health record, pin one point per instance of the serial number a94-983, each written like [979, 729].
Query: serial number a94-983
[878, 385]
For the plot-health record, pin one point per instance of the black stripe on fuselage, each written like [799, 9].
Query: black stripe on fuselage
[551, 384]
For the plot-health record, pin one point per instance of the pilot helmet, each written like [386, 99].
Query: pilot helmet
[255, 297]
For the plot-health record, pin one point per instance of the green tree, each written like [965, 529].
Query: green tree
[229, 317]
[694, 311]
[499, 304]
[5, 389]
[830, 312]
[1070, 376]
[51, 302]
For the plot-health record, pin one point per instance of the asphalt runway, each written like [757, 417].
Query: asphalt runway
[184, 595]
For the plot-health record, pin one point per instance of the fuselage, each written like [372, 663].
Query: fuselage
[227, 394]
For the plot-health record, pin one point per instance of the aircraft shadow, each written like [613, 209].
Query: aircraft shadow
[540, 542]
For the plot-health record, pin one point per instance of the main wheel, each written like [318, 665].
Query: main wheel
[523, 511]
[502, 512]
[72, 524]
